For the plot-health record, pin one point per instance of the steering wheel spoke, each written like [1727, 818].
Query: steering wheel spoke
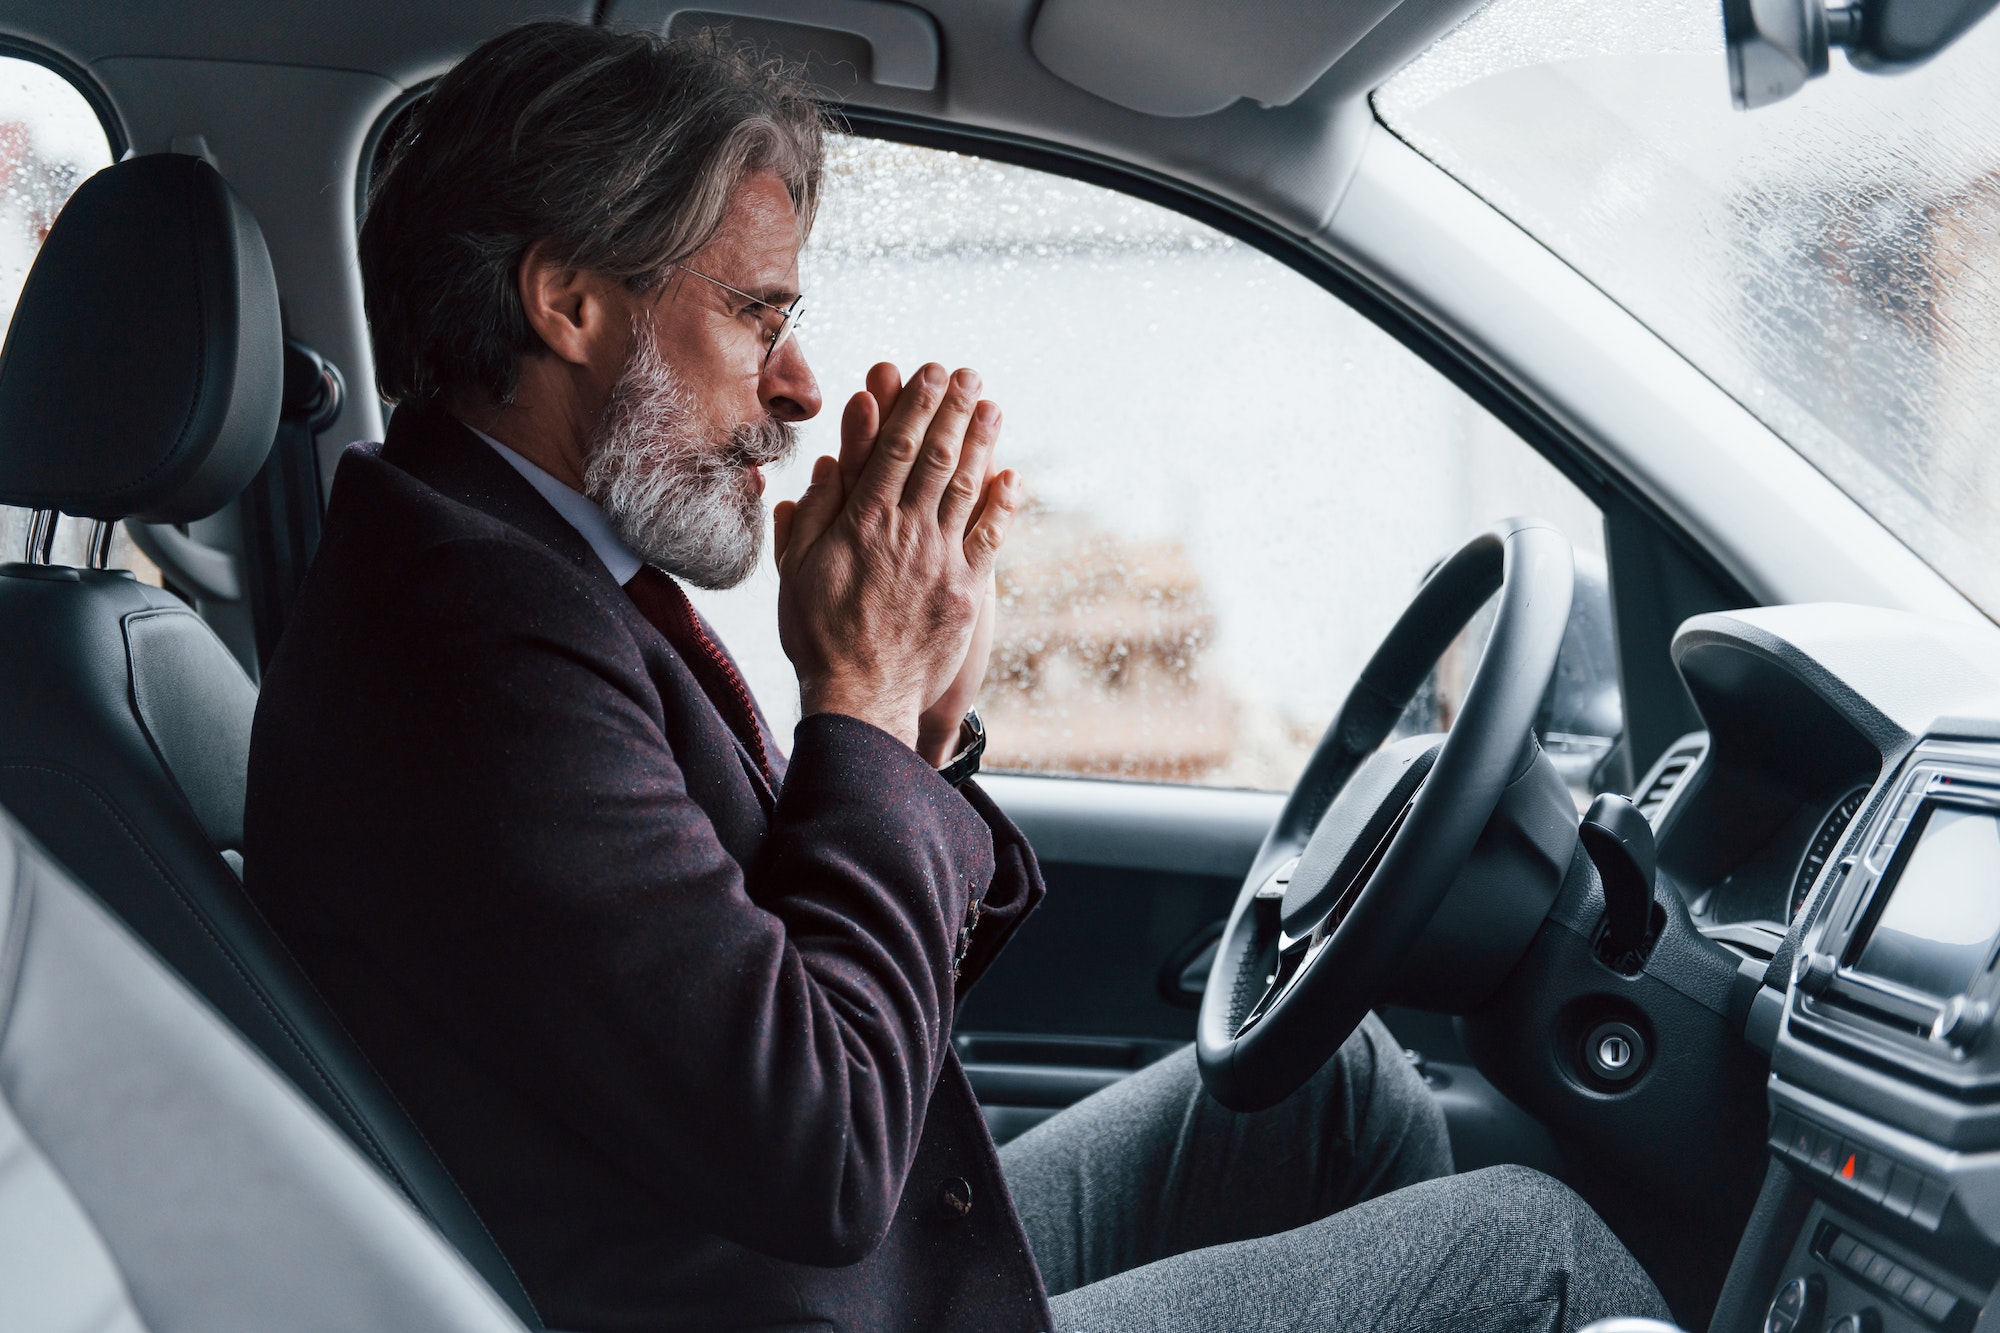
[1269, 900]
[1293, 958]
[1295, 955]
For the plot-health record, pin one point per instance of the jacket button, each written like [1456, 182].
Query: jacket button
[954, 1199]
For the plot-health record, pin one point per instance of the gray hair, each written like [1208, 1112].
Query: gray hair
[620, 149]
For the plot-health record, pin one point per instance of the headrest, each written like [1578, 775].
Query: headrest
[144, 369]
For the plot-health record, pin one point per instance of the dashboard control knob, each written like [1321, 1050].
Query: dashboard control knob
[1797, 1307]
[1815, 971]
[1861, 1321]
[1962, 1021]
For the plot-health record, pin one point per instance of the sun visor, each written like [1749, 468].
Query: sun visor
[1192, 57]
[894, 45]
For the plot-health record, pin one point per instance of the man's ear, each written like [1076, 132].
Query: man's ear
[573, 311]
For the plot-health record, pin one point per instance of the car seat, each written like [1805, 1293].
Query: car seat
[141, 379]
[157, 1176]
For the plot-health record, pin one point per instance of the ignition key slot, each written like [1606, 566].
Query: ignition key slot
[1614, 1053]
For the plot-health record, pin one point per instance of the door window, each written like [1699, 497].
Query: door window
[1236, 481]
[51, 141]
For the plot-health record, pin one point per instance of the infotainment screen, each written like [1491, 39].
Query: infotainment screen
[1937, 930]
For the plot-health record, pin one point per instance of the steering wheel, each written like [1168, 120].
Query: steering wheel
[1373, 836]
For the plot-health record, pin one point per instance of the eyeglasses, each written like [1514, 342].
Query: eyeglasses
[788, 316]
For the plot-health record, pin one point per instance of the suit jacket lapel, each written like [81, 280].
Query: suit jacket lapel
[435, 448]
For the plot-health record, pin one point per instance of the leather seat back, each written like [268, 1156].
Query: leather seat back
[141, 378]
[155, 1174]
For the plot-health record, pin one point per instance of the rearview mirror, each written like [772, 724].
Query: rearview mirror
[1776, 45]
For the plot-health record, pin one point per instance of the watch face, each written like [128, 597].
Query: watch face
[966, 762]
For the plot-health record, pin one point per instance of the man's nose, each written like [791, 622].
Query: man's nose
[787, 389]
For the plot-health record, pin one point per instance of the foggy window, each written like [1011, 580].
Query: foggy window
[1236, 481]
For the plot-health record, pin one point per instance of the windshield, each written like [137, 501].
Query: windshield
[1833, 262]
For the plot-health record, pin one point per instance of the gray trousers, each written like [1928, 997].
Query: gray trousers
[1150, 1207]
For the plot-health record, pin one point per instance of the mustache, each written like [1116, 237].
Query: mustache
[761, 443]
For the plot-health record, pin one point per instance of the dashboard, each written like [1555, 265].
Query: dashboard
[1838, 829]
[1827, 834]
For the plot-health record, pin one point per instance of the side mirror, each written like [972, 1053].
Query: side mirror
[1775, 46]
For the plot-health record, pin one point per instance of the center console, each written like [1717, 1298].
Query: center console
[1885, 1076]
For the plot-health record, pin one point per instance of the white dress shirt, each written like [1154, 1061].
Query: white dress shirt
[579, 509]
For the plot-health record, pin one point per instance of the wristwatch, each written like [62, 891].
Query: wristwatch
[971, 744]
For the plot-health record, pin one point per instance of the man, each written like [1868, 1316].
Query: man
[676, 1009]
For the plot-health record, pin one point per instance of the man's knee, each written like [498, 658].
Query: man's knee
[1526, 1216]
[1396, 1110]
[1535, 1209]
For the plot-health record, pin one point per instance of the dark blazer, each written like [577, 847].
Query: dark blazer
[685, 1042]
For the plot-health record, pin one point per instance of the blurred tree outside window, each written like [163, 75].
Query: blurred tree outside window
[50, 142]
[1236, 482]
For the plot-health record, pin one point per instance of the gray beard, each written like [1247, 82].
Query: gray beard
[673, 495]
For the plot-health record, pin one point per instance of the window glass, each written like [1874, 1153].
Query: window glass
[50, 141]
[1832, 261]
[1236, 482]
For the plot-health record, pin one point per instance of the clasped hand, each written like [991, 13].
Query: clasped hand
[885, 564]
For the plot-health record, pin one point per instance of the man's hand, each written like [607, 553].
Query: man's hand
[886, 562]
[938, 728]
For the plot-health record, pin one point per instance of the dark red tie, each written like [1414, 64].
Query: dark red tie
[661, 601]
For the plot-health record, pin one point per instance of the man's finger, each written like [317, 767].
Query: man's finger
[944, 442]
[968, 484]
[883, 383]
[996, 514]
[781, 529]
[900, 439]
[858, 423]
[815, 511]
[979, 506]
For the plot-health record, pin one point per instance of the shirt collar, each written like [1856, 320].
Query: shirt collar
[579, 510]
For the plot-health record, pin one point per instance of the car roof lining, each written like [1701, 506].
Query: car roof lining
[1174, 58]
[1287, 163]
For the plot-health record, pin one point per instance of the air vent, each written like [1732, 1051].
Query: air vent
[1669, 775]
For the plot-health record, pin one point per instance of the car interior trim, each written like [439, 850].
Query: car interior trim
[1171, 57]
[1143, 826]
[903, 46]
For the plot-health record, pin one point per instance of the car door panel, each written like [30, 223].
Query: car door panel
[1102, 980]
[1139, 875]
